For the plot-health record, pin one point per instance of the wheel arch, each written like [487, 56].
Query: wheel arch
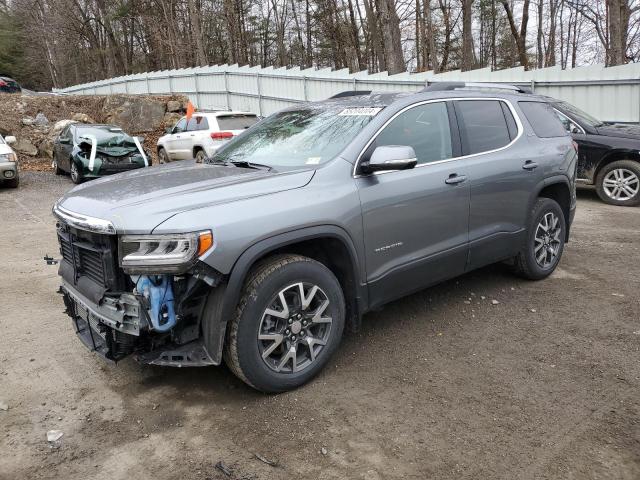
[196, 149]
[558, 189]
[613, 156]
[328, 244]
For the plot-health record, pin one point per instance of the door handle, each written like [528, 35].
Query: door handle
[454, 179]
[530, 165]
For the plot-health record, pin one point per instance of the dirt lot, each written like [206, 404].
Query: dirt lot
[545, 384]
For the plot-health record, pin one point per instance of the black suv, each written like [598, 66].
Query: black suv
[609, 154]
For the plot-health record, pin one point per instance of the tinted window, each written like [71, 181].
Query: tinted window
[236, 122]
[180, 126]
[483, 125]
[425, 128]
[197, 123]
[542, 119]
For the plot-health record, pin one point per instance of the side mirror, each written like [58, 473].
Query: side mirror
[390, 157]
[10, 139]
[574, 129]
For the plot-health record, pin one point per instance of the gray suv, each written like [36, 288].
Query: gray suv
[266, 252]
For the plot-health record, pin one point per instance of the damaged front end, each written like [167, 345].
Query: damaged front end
[136, 295]
[109, 154]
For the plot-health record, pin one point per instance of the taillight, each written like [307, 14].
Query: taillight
[221, 135]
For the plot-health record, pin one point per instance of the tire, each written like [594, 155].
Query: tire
[528, 262]
[201, 156]
[56, 168]
[264, 363]
[76, 176]
[13, 183]
[618, 183]
[163, 157]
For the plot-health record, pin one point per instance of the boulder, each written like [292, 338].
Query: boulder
[41, 120]
[174, 106]
[170, 119]
[61, 125]
[28, 121]
[82, 118]
[25, 146]
[45, 147]
[134, 114]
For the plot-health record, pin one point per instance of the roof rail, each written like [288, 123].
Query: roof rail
[351, 93]
[443, 86]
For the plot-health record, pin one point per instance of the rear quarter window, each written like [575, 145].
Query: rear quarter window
[543, 120]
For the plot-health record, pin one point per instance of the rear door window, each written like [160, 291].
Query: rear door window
[483, 125]
[543, 119]
[236, 121]
[197, 123]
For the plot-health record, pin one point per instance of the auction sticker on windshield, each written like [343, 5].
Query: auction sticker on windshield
[368, 112]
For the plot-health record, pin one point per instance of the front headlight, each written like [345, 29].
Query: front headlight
[169, 253]
[8, 157]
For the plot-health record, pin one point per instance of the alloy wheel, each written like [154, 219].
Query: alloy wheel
[294, 328]
[547, 240]
[621, 184]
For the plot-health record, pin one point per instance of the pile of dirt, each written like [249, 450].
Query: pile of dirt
[36, 120]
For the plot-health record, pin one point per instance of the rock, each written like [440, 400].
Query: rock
[170, 119]
[45, 147]
[324, 451]
[61, 125]
[41, 120]
[82, 118]
[494, 302]
[174, 106]
[28, 121]
[23, 145]
[3, 406]
[134, 114]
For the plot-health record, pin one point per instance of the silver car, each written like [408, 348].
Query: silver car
[266, 252]
[8, 163]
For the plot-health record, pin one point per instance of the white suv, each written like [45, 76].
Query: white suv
[202, 135]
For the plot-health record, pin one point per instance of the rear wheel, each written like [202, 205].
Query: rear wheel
[56, 167]
[200, 156]
[76, 176]
[545, 241]
[163, 157]
[619, 183]
[288, 323]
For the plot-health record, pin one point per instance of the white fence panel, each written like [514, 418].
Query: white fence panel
[611, 93]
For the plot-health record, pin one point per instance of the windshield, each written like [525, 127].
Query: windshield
[296, 138]
[580, 115]
[107, 136]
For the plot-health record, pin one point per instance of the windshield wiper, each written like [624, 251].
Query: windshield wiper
[245, 164]
[239, 163]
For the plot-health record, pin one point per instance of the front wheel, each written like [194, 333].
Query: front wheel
[76, 176]
[619, 183]
[55, 166]
[287, 325]
[201, 156]
[545, 241]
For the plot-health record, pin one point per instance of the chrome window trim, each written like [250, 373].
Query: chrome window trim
[582, 132]
[84, 222]
[516, 117]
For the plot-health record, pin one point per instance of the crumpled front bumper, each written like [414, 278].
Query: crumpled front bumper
[119, 327]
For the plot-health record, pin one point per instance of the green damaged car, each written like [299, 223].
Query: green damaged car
[87, 151]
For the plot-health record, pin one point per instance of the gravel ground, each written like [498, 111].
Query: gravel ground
[442, 384]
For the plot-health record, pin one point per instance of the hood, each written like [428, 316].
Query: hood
[139, 200]
[114, 149]
[4, 148]
[620, 130]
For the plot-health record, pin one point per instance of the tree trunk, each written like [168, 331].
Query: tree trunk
[519, 37]
[467, 37]
[390, 27]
